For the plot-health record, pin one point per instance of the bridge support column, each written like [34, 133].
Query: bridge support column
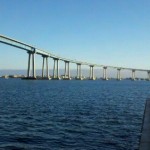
[31, 55]
[47, 71]
[92, 73]
[118, 74]
[79, 73]
[56, 70]
[133, 75]
[105, 73]
[29, 60]
[67, 71]
[43, 66]
[47, 68]
[148, 73]
[33, 65]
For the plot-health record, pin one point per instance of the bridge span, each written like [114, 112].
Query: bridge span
[31, 71]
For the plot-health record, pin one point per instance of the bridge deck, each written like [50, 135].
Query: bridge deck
[145, 137]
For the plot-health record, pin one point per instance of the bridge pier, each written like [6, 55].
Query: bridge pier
[56, 69]
[47, 69]
[133, 75]
[79, 74]
[29, 60]
[31, 55]
[67, 71]
[91, 73]
[119, 74]
[105, 73]
[148, 73]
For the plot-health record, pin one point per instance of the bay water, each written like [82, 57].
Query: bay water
[71, 115]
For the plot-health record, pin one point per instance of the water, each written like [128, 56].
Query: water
[71, 115]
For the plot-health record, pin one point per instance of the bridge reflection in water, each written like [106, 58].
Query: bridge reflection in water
[31, 71]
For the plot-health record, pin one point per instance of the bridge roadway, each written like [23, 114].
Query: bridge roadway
[31, 50]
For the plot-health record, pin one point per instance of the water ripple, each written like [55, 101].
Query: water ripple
[58, 115]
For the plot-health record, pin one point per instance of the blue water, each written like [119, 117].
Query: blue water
[71, 115]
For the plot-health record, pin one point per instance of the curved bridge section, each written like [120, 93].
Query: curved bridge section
[31, 50]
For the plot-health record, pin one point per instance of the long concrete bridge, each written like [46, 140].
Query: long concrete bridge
[31, 71]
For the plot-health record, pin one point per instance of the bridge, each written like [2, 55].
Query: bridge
[31, 72]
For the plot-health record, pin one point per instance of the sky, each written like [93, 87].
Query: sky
[107, 32]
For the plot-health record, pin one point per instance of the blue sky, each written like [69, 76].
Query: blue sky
[110, 32]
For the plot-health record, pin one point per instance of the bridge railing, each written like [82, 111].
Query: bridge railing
[15, 43]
